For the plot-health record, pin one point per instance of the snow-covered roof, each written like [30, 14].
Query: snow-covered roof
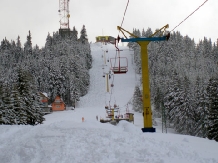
[45, 94]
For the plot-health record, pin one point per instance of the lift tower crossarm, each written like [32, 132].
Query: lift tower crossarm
[143, 42]
[121, 30]
[144, 39]
[161, 31]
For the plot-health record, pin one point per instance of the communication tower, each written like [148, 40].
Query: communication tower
[64, 17]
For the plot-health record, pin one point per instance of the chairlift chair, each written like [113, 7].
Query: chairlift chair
[122, 66]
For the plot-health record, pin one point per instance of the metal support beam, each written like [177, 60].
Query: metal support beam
[143, 42]
[146, 88]
[144, 39]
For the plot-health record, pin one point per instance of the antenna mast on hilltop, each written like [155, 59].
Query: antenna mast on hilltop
[64, 14]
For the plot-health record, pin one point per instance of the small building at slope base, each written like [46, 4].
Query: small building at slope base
[58, 104]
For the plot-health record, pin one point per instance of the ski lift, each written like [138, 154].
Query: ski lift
[122, 62]
[110, 113]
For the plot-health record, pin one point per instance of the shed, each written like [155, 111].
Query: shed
[58, 104]
[46, 109]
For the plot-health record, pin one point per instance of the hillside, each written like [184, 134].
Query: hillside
[64, 138]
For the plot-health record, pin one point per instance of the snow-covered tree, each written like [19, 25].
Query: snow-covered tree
[212, 91]
[83, 35]
[137, 100]
[28, 94]
[28, 46]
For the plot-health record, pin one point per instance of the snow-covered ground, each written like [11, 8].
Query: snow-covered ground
[64, 138]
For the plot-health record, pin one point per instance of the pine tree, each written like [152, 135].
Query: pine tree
[212, 91]
[8, 112]
[83, 35]
[18, 105]
[28, 46]
[201, 110]
[18, 51]
[2, 111]
[137, 100]
[28, 93]
[147, 33]
[74, 34]
[158, 100]
[49, 41]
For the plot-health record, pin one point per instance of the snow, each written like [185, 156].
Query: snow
[64, 138]
[45, 94]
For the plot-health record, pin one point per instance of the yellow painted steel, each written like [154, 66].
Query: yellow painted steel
[131, 117]
[160, 31]
[107, 83]
[146, 86]
[102, 38]
[147, 112]
[112, 114]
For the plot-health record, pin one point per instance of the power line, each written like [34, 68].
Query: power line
[188, 16]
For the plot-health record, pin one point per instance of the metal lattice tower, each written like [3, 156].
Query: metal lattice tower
[64, 14]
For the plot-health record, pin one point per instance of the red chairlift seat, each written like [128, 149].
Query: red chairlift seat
[122, 66]
[122, 62]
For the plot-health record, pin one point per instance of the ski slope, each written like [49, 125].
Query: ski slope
[64, 138]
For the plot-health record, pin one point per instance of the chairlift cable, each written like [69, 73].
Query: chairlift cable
[113, 74]
[161, 45]
[117, 44]
[124, 13]
[189, 16]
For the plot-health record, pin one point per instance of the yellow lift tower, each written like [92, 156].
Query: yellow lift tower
[143, 42]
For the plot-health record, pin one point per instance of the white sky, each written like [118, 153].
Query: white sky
[102, 16]
[64, 138]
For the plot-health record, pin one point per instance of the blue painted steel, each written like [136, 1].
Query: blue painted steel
[148, 129]
[144, 39]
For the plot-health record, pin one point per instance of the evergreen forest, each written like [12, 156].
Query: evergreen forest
[59, 68]
[183, 83]
[183, 79]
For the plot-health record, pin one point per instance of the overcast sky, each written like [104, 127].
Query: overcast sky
[102, 16]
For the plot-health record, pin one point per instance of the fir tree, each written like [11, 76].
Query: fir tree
[212, 91]
[83, 35]
[8, 114]
[28, 46]
[137, 100]
[29, 96]
[201, 110]
[74, 34]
